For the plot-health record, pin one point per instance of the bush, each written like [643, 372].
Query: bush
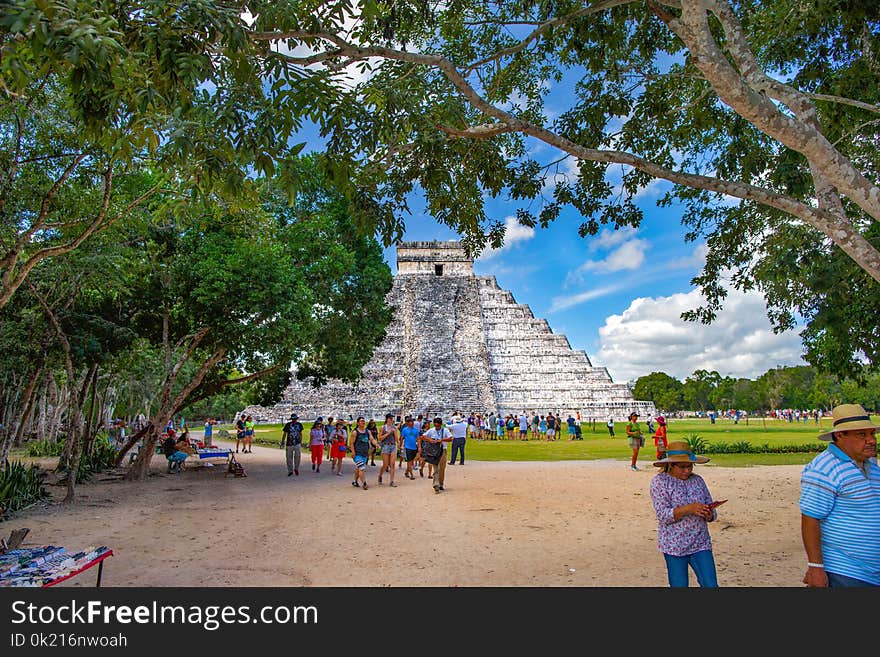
[45, 447]
[101, 456]
[697, 443]
[743, 447]
[20, 486]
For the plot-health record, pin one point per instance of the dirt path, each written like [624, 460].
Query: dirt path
[572, 523]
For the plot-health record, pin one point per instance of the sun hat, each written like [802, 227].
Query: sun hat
[661, 419]
[848, 417]
[319, 420]
[680, 452]
[294, 417]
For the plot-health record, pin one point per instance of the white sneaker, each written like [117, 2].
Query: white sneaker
[634, 468]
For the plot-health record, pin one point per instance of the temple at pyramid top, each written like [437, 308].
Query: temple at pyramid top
[460, 343]
[436, 258]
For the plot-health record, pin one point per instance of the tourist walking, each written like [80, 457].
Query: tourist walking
[316, 443]
[291, 440]
[634, 437]
[840, 504]
[660, 441]
[434, 451]
[329, 428]
[684, 507]
[360, 442]
[338, 446]
[389, 437]
[458, 428]
[374, 432]
[610, 426]
[409, 434]
[401, 455]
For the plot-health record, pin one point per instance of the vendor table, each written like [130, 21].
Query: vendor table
[48, 565]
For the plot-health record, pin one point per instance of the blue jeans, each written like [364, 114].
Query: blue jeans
[844, 581]
[457, 445]
[703, 564]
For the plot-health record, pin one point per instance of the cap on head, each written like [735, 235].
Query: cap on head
[294, 417]
[438, 420]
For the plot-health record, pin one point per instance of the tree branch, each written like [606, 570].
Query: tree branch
[536, 33]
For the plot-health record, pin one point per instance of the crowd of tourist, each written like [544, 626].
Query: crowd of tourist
[840, 487]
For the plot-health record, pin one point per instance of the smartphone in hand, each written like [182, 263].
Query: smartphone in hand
[717, 503]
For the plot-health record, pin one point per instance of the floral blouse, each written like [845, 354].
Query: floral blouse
[689, 534]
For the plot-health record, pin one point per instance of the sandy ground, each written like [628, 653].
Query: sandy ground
[573, 523]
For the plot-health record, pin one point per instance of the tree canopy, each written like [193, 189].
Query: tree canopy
[762, 115]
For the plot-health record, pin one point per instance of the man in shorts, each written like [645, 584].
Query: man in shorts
[240, 431]
[410, 434]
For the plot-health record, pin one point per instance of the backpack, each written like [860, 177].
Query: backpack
[432, 452]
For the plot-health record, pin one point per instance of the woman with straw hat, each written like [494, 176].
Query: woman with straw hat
[683, 506]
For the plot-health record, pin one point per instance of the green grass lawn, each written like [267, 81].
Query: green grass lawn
[597, 444]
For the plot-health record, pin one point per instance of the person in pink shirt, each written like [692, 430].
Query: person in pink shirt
[316, 443]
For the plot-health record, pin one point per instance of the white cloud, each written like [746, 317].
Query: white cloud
[629, 256]
[695, 260]
[650, 336]
[568, 301]
[609, 238]
[514, 233]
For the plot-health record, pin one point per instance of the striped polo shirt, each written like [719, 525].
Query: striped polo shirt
[846, 501]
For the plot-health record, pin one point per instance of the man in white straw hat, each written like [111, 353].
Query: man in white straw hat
[683, 506]
[840, 504]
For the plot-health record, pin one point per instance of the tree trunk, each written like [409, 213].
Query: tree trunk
[75, 436]
[28, 402]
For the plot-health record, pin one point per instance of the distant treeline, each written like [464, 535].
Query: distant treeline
[783, 387]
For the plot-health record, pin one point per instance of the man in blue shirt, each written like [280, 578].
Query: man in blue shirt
[410, 433]
[840, 504]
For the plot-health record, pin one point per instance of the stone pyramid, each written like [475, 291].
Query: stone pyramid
[458, 342]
